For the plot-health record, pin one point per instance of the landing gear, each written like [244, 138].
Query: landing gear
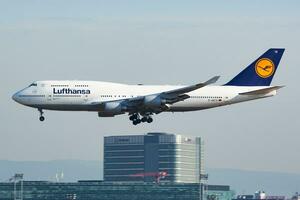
[137, 119]
[144, 119]
[42, 118]
[133, 117]
[149, 120]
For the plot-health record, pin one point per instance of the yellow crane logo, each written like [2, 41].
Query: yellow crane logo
[264, 67]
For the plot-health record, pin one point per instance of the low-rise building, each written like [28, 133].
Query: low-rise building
[100, 190]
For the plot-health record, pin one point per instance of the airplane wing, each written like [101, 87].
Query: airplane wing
[158, 102]
[155, 103]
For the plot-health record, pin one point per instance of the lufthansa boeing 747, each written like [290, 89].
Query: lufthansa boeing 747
[140, 102]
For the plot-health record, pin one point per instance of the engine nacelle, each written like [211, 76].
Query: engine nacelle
[153, 101]
[111, 109]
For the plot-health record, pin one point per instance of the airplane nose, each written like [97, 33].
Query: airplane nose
[15, 97]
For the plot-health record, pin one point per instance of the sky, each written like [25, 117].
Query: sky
[151, 42]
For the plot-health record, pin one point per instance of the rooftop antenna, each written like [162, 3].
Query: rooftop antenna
[59, 176]
[17, 178]
[56, 177]
[62, 175]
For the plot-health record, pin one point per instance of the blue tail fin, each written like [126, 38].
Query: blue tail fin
[261, 71]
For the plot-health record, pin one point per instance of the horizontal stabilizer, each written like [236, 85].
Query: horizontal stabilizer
[261, 91]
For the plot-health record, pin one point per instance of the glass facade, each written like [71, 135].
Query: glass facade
[141, 157]
[123, 157]
[99, 190]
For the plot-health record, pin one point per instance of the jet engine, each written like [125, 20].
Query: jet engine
[154, 101]
[111, 109]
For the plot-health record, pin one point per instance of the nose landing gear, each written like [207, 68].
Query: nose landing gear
[42, 118]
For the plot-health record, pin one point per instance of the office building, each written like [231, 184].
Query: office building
[153, 157]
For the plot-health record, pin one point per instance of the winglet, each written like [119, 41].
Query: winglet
[212, 80]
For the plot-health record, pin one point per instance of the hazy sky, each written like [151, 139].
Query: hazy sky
[151, 42]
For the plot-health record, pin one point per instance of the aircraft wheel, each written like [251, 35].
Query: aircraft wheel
[149, 120]
[138, 121]
[144, 119]
[42, 118]
[131, 118]
[134, 122]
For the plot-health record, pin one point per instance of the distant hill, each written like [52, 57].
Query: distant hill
[242, 181]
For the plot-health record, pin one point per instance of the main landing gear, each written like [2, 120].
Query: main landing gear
[42, 118]
[136, 118]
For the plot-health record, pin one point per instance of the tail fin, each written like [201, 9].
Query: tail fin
[261, 71]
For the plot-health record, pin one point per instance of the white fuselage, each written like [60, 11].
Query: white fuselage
[81, 95]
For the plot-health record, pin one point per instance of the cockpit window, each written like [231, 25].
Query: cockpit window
[32, 84]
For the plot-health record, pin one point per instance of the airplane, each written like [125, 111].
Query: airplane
[140, 102]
